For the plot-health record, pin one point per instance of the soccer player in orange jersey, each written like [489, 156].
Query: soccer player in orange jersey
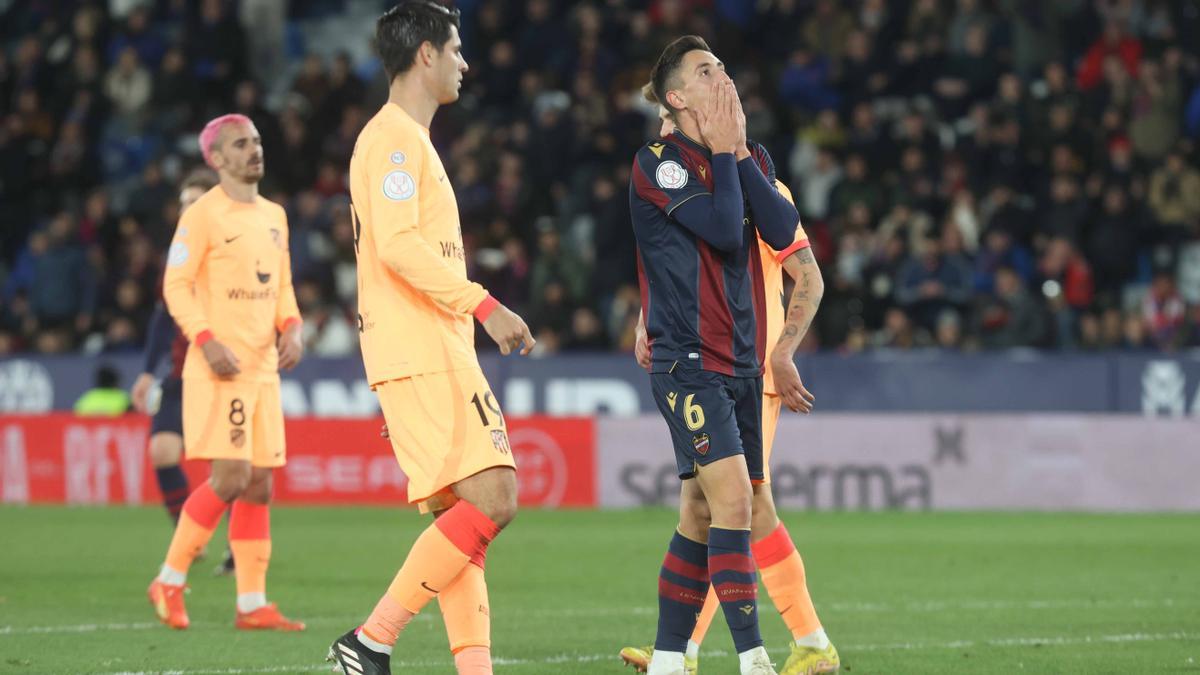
[778, 560]
[416, 318]
[228, 285]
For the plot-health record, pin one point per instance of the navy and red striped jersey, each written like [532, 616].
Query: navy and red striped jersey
[703, 307]
[179, 348]
[163, 338]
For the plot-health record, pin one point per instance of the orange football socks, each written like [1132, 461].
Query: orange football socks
[439, 555]
[465, 610]
[473, 661]
[250, 541]
[705, 618]
[201, 513]
[782, 572]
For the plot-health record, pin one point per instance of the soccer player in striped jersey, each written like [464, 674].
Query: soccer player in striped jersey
[700, 199]
[778, 560]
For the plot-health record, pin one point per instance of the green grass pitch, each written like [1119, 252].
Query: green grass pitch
[898, 593]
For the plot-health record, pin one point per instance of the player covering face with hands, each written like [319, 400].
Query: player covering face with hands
[705, 193]
[698, 200]
[779, 563]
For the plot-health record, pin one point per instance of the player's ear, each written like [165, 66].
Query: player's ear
[427, 52]
[676, 100]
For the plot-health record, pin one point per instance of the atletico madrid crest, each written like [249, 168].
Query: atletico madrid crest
[500, 440]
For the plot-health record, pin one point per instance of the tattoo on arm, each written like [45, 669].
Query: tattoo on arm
[803, 306]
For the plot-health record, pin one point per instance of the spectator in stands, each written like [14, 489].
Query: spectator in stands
[1091, 337]
[139, 36]
[58, 280]
[128, 87]
[1066, 213]
[911, 224]
[106, 398]
[828, 29]
[931, 281]
[948, 333]
[1112, 241]
[1010, 316]
[1040, 131]
[586, 333]
[1163, 312]
[1068, 286]
[1133, 333]
[856, 188]
[898, 332]
[327, 330]
[1191, 329]
[555, 265]
[1115, 44]
[1175, 198]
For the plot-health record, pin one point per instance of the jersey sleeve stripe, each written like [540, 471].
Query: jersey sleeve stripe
[681, 201]
[646, 190]
[796, 246]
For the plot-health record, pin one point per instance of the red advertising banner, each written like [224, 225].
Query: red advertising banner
[60, 458]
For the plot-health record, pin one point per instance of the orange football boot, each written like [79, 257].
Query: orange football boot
[167, 601]
[267, 617]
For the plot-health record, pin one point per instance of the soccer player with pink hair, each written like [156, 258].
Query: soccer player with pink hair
[228, 285]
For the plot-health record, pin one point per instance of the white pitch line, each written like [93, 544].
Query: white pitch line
[76, 628]
[990, 605]
[566, 612]
[306, 668]
[612, 656]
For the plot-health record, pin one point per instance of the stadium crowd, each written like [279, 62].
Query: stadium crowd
[974, 174]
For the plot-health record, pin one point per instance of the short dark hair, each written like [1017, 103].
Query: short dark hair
[203, 178]
[404, 28]
[107, 377]
[668, 64]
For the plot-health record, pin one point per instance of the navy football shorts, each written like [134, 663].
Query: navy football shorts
[711, 416]
[169, 417]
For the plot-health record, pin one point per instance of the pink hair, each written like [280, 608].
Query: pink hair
[212, 130]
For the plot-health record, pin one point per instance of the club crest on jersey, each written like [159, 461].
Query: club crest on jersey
[277, 238]
[398, 157]
[177, 255]
[670, 175]
[701, 442]
[399, 186]
[500, 440]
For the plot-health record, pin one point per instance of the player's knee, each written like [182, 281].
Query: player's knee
[500, 510]
[165, 450]
[764, 519]
[258, 491]
[732, 511]
[229, 481]
[695, 512]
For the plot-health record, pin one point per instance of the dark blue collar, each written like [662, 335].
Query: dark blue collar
[688, 140]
